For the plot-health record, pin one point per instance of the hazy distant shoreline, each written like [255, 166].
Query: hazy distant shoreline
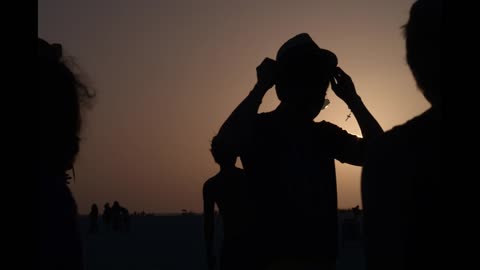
[172, 241]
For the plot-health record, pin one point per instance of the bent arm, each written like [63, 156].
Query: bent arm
[353, 150]
[344, 88]
[237, 130]
[368, 124]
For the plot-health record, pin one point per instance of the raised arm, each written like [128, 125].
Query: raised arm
[237, 129]
[344, 88]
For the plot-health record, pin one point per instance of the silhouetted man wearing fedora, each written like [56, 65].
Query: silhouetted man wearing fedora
[289, 158]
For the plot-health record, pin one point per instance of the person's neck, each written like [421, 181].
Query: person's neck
[290, 113]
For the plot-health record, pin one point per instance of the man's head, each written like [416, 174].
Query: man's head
[304, 70]
[58, 100]
[222, 156]
[423, 41]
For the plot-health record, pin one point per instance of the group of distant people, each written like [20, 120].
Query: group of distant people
[351, 226]
[115, 218]
[280, 210]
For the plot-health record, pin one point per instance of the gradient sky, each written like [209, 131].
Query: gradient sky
[168, 73]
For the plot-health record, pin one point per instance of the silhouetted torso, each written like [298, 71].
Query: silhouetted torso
[107, 216]
[401, 194]
[228, 190]
[292, 184]
[116, 215]
[56, 217]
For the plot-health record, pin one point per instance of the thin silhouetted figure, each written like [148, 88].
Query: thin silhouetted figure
[93, 219]
[107, 216]
[289, 158]
[400, 179]
[351, 226]
[116, 213]
[53, 143]
[125, 219]
[227, 190]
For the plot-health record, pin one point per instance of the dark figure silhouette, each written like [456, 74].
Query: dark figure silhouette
[289, 158]
[125, 219]
[53, 144]
[400, 179]
[93, 218]
[351, 227]
[116, 213]
[227, 190]
[107, 216]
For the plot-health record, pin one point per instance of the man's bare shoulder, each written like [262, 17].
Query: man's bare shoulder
[210, 184]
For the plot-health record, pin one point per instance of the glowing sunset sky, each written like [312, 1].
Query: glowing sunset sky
[168, 73]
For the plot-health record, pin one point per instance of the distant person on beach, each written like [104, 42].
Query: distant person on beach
[116, 216]
[93, 219]
[227, 189]
[120, 218]
[125, 219]
[54, 123]
[107, 217]
[351, 227]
